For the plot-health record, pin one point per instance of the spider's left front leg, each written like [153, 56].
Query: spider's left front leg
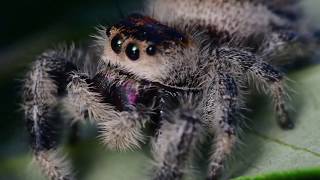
[88, 98]
[221, 107]
[264, 73]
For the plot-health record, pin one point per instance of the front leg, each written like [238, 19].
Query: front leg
[88, 98]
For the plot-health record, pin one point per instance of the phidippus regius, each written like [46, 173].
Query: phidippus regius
[184, 66]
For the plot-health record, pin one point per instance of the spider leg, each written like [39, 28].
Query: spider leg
[267, 74]
[119, 129]
[278, 44]
[289, 10]
[264, 73]
[52, 77]
[221, 108]
[42, 88]
[175, 142]
[285, 46]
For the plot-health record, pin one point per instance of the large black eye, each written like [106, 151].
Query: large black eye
[116, 44]
[133, 51]
[151, 50]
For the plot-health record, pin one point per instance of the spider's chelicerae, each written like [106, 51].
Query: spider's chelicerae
[184, 67]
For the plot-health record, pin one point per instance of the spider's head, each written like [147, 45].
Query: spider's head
[142, 46]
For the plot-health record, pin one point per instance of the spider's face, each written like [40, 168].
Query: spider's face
[142, 46]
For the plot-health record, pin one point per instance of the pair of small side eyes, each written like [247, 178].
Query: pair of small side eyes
[132, 50]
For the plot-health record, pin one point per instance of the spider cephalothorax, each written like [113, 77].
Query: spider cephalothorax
[138, 43]
[184, 73]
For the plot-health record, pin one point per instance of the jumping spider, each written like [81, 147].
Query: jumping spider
[184, 66]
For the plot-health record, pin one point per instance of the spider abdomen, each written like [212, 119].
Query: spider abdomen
[225, 20]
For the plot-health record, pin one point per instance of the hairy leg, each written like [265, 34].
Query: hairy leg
[43, 85]
[287, 9]
[119, 130]
[266, 74]
[286, 46]
[263, 73]
[175, 143]
[277, 45]
[220, 111]
[52, 77]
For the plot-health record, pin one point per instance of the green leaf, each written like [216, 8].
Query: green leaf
[311, 173]
[269, 148]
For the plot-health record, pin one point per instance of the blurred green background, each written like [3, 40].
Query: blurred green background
[29, 27]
